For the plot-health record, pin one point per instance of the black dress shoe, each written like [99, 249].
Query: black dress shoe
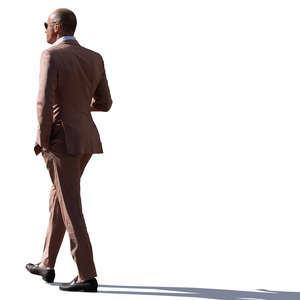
[89, 285]
[47, 274]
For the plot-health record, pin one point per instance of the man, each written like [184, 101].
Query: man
[72, 84]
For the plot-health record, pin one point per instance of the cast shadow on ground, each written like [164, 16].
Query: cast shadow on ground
[260, 294]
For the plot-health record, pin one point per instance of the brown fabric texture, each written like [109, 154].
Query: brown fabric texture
[66, 212]
[72, 84]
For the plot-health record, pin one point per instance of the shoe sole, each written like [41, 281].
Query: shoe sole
[81, 290]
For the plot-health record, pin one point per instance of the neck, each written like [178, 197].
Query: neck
[61, 35]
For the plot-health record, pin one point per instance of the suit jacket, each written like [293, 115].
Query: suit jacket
[72, 83]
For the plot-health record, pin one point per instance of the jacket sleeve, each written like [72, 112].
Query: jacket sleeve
[101, 100]
[45, 99]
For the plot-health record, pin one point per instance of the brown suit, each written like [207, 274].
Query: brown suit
[72, 84]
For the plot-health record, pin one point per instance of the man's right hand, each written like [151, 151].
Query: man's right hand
[37, 149]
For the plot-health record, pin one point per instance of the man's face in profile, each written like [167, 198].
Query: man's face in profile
[51, 30]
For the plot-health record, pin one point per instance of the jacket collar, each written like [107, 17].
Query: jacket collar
[70, 42]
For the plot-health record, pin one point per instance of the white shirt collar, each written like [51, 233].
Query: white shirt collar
[63, 38]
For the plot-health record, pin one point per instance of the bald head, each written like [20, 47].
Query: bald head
[66, 18]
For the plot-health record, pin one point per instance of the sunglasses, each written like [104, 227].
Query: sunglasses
[46, 24]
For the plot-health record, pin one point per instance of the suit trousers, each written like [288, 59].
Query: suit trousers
[65, 207]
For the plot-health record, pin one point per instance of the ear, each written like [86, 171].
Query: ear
[57, 28]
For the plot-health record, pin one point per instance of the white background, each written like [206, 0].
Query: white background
[198, 185]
